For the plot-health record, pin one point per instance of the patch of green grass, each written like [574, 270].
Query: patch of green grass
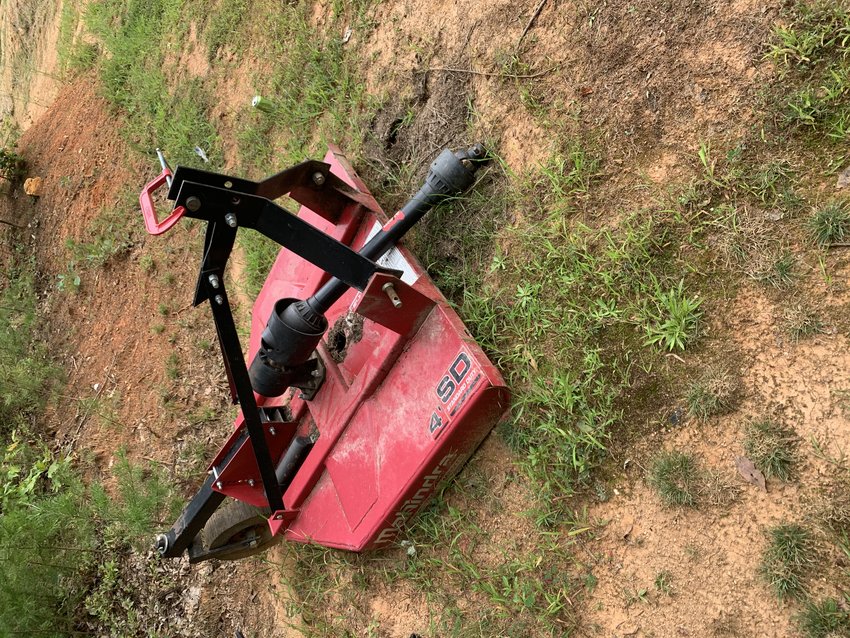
[830, 224]
[260, 254]
[75, 55]
[172, 366]
[11, 165]
[48, 542]
[317, 92]
[223, 27]
[676, 477]
[772, 447]
[519, 586]
[135, 36]
[567, 173]
[70, 280]
[58, 535]
[674, 321]
[714, 392]
[565, 311]
[109, 236]
[68, 22]
[817, 29]
[10, 132]
[147, 263]
[26, 373]
[787, 559]
[144, 501]
[102, 407]
[201, 415]
[770, 183]
[96, 252]
[824, 619]
[83, 57]
[812, 52]
[634, 596]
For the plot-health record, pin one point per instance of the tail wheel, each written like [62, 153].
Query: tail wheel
[235, 522]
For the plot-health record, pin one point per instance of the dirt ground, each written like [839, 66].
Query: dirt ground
[29, 33]
[713, 556]
[651, 79]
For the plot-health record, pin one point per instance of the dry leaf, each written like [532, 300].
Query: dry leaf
[750, 472]
[530, 358]
[843, 178]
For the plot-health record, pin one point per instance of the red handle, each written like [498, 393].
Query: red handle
[153, 226]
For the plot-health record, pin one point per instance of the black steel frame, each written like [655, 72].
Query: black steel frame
[228, 203]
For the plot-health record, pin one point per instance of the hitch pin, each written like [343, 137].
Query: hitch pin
[392, 294]
[165, 166]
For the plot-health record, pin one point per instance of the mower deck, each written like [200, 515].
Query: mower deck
[364, 392]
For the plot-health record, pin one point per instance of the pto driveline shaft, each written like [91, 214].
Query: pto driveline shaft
[450, 175]
[295, 327]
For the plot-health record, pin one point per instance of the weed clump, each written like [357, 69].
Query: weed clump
[802, 322]
[718, 490]
[676, 477]
[823, 619]
[830, 224]
[832, 511]
[777, 270]
[712, 393]
[787, 559]
[664, 582]
[772, 447]
[674, 323]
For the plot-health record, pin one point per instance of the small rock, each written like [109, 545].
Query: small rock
[675, 417]
[32, 186]
[626, 527]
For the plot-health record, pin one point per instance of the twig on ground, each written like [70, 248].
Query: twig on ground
[531, 20]
[488, 73]
[90, 405]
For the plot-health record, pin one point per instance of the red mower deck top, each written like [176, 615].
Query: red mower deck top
[408, 394]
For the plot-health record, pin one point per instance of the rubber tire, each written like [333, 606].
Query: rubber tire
[231, 521]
